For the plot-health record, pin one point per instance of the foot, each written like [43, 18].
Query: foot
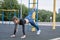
[38, 32]
[12, 36]
[24, 36]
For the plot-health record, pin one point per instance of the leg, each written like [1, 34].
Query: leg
[23, 29]
[33, 24]
[30, 13]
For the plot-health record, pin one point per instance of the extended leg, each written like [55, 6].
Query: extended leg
[33, 24]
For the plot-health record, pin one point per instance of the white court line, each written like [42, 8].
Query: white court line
[6, 22]
[39, 23]
[55, 38]
[11, 22]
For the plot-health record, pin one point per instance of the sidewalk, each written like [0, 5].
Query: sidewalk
[39, 23]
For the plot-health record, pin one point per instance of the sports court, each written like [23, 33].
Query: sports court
[47, 32]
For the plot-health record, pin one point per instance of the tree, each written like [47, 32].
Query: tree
[25, 11]
[9, 5]
[58, 17]
[1, 1]
[44, 15]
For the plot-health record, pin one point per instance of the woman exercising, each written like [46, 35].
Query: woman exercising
[27, 19]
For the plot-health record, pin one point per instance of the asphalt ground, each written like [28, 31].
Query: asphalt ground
[47, 32]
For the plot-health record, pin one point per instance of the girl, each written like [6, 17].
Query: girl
[27, 19]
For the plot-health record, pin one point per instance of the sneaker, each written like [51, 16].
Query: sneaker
[38, 32]
[24, 36]
[12, 35]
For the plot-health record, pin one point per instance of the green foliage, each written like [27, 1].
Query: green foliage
[43, 15]
[24, 11]
[58, 17]
[10, 4]
[13, 4]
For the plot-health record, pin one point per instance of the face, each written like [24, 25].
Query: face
[16, 21]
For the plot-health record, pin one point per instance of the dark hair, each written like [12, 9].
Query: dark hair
[14, 18]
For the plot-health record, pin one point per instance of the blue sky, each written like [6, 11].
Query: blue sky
[43, 4]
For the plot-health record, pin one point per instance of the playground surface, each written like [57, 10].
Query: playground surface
[47, 33]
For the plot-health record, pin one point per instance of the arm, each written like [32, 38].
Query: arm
[15, 29]
[23, 29]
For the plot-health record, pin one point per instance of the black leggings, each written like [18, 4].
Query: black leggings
[23, 29]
